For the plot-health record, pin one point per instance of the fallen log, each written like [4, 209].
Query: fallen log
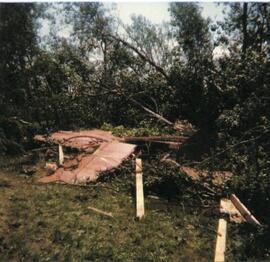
[165, 138]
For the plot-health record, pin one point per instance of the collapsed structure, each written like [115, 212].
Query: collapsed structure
[99, 151]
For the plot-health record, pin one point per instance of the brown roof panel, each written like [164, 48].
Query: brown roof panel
[108, 156]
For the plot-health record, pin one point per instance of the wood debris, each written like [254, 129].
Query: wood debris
[50, 168]
[218, 178]
[108, 156]
[172, 142]
[185, 127]
[243, 210]
[101, 212]
[237, 211]
[227, 207]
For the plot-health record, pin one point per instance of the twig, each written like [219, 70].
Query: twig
[101, 212]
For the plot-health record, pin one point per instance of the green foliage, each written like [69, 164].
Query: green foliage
[144, 129]
[191, 31]
[246, 24]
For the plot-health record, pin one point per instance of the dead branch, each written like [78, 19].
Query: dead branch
[141, 55]
[152, 112]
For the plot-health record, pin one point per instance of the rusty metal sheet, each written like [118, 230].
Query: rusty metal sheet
[108, 156]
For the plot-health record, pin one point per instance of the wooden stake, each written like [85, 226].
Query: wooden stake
[221, 241]
[139, 189]
[61, 154]
[243, 210]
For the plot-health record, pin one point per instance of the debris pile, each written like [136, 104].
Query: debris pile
[185, 127]
[100, 151]
[218, 178]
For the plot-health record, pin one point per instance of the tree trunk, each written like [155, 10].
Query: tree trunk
[244, 24]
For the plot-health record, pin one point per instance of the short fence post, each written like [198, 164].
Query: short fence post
[61, 154]
[139, 189]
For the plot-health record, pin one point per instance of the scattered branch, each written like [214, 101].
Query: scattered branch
[161, 118]
[100, 211]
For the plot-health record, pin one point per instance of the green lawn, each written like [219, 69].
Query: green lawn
[52, 223]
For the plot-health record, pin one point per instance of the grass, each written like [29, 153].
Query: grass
[52, 223]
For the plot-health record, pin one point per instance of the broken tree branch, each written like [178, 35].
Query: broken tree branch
[141, 55]
[120, 93]
[161, 118]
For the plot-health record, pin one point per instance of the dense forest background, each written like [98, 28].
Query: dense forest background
[98, 76]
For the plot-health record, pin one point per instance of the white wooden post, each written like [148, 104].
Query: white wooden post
[61, 154]
[221, 241]
[139, 189]
[221, 238]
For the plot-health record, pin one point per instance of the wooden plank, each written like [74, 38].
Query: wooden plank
[61, 154]
[243, 210]
[139, 189]
[221, 241]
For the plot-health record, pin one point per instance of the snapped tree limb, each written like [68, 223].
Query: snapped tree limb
[152, 112]
[141, 55]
